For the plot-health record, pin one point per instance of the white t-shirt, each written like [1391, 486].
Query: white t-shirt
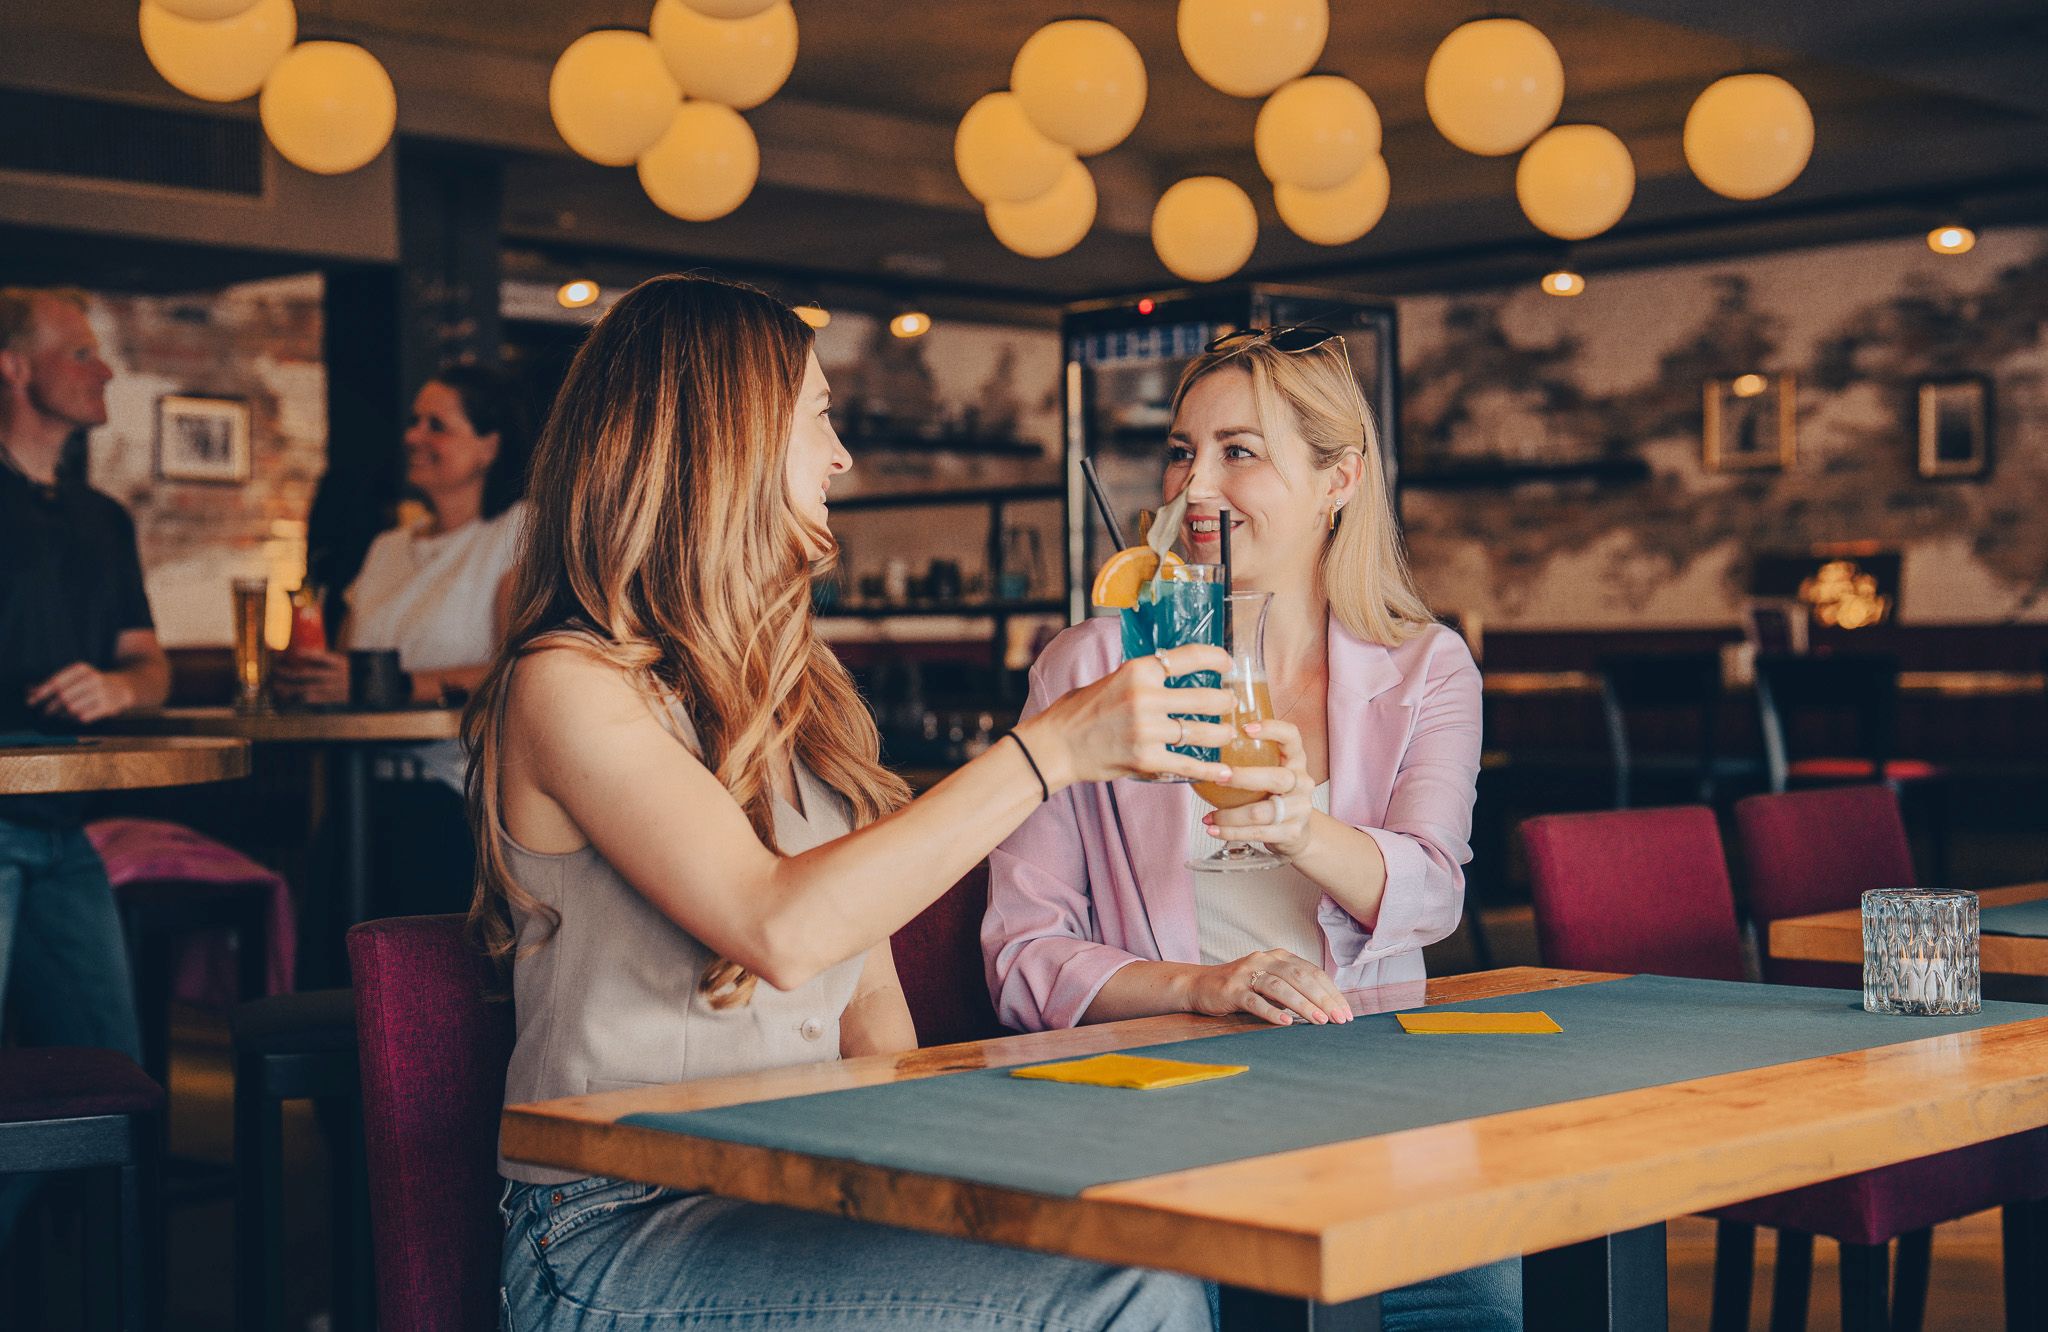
[435, 598]
[1248, 911]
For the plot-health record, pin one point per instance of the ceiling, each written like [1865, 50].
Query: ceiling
[1918, 109]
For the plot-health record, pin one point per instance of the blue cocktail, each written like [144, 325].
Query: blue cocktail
[1183, 605]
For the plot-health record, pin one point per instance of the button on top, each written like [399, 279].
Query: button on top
[812, 1029]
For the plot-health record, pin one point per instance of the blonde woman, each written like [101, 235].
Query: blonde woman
[1093, 914]
[690, 859]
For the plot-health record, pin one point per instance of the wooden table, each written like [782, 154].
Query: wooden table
[348, 736]
[1837, 936]
[119, 763]
[1310, 1238]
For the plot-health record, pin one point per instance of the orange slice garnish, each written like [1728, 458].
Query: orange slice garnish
[1118, 581]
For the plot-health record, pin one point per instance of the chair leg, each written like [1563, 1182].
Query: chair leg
[1866, 1281]
[1910, 1273]
[1791, 1281]
[259, 1201]
[1734, 1270]
[142, 1226]
[2025, 1226]
[252, 948]
[349, 1200]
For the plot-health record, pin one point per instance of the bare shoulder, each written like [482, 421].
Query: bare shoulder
[565, 693]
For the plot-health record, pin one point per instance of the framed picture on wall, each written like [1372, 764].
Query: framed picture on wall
[1752, 423]
[202, 439]
[1955, 427]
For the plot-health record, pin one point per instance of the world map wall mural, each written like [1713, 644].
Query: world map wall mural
[1555, 445]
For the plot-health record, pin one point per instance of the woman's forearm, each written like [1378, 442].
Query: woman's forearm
[1143, 989]
[1347, 864]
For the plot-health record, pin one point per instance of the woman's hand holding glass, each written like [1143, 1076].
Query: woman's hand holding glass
[1280, 822]
[1122, 725]
[304, 676]
[1274, 985]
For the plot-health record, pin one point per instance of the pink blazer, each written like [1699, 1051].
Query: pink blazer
[1097, 878]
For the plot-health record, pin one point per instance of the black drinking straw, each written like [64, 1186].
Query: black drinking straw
[1223, 558]
[1116, 529]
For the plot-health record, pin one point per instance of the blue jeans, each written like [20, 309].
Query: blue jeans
[600, 1255]
[63, 966]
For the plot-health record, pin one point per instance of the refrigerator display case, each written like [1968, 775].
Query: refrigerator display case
[1122, 360]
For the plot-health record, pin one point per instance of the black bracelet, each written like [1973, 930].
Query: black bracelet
[1044, 791]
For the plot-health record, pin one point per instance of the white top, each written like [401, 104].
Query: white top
[435, 598]
[1247, 911]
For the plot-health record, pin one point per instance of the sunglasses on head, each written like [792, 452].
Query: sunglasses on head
[1291, 339]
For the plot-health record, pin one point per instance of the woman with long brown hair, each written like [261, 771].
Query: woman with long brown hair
[691, 860]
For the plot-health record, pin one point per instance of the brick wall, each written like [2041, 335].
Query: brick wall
[256, 341]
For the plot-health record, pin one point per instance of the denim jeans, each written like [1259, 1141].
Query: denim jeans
[600, 1255]
[63, 966]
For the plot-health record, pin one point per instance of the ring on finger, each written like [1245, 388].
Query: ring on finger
[1164, 664]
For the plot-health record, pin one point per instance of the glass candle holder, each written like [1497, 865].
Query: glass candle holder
[1920, 952]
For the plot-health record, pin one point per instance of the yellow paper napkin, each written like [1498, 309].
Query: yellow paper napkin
[1478, 1024]
[1133, 1071]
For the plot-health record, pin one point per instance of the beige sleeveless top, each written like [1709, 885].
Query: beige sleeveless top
[611, 999]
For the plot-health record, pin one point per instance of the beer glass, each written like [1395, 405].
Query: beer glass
[252, 653]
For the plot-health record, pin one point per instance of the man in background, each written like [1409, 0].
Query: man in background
[77, 645]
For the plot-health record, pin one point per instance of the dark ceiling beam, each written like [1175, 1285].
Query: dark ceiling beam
[1989, 51]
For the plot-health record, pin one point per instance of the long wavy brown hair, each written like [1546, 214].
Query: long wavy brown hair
[663, 542]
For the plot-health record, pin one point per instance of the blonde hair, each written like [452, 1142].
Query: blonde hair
[1364, 572]
[18, 310]
[663, 542]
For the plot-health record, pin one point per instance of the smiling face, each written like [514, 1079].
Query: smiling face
[815, 453]
[443, 452]
[1225, 457]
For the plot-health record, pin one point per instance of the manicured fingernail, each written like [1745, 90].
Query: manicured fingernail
[1222, 774]
[1251, 728]
[1287, 1019]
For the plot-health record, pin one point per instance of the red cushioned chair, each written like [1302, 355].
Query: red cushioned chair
[1810, 851]
[1648, 891]
[938, 959]
[83, 1109]
[432, 1050]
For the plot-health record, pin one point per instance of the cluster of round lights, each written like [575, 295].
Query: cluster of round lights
[1077, 88]
[326, 106]
[667, 101]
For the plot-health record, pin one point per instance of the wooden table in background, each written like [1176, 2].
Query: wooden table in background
[1310, 1238]
[348, 738]
[119, 763]
[1837, 936]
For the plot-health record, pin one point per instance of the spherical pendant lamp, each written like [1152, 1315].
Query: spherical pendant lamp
[1054, 222]
[740, 63]
[205, 11]
[1001, 156]
[1575, 181]
[329, 107]
[1247, 48]
[1493, 85]
[731, 9]
[1204, 228]
[704, 166]
[1748, 135]
[222, 60]
[611, 96]
[1340, 215]
[1316, 132]
[1082, 83]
